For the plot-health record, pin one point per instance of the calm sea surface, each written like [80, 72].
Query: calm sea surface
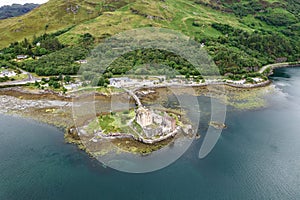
[257, 157]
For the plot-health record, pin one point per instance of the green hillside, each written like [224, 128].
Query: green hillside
[240, 36]
[52, 16]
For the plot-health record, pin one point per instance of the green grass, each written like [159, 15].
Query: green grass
[137, 127]
[115, 122]
[20, 77]
[106, 124]
[109, 90]
[178, 15]
[104, 90]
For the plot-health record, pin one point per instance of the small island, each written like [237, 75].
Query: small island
[217, 125]
[142, 124]
[149, 126]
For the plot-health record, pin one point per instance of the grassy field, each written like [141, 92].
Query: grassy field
[177, 15]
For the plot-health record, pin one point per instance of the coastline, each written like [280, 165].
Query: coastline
[56, 109]
[271, 67]
[267, 70]
[23, 93]
[278, 65]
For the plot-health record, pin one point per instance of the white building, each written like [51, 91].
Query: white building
[118, 82]
[21, 57]
[8, 73]
[81, 61]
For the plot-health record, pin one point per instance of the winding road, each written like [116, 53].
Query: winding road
[277, 65]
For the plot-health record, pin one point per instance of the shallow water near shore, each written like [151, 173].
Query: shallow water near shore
[257, 157]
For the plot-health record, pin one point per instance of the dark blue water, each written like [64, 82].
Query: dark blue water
[257, 157]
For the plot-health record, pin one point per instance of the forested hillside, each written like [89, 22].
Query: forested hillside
[240, 36]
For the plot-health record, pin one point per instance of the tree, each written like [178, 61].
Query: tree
[51, 44]
[40, 51]
[64, 90]
[56, 84]
[249, 80]
[87, 40]
[36, 84]
[67, 79]
[60, 77]
[101, 81]
[187, 76]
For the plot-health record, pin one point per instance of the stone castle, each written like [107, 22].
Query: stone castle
[144, 116]
[161, 124]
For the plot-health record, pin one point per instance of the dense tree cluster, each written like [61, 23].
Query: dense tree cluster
[50, 57]
[239, 51]
[47, 44]
[236, 52]
[59, 62]
[277, 18]
[277, 13]
[142, 62]
[152, 57]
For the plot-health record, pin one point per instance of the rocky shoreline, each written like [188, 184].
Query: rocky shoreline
[21, 100]
[56, 108]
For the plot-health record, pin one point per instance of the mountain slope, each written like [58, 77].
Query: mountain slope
[16, 10]
[240, 36]
[192, 17]
[52, 16]
[177, 15]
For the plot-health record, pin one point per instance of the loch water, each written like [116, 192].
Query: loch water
[256, 157]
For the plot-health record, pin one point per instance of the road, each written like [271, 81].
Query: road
[277, 65]
[30, 79]
[136, 98]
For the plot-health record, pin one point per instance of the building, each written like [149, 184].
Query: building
[157, 119]
[22, 57]
[118, 82]
[7, 73]
[169, 122]
[81, 61]
[144, 116]
[72, 86]
[152, 132]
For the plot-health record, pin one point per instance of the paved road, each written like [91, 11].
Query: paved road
[136, 98]
[30, 79]
[276, 65]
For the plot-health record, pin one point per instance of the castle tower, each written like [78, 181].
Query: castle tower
[144, 116]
